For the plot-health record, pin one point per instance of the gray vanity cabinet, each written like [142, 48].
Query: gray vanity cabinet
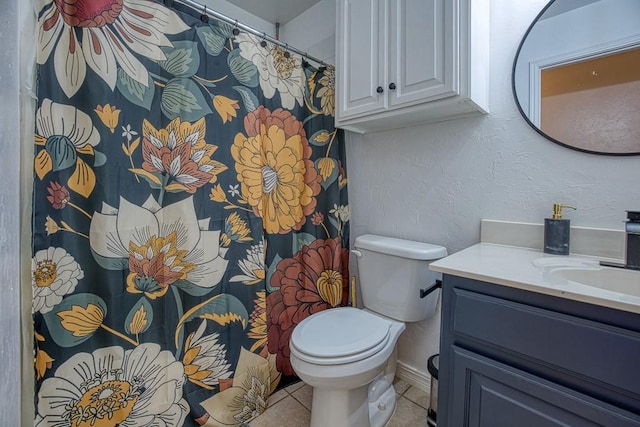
[512, 358]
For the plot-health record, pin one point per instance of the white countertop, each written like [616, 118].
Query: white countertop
[528, 269]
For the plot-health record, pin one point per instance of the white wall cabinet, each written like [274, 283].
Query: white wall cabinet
[403, 62]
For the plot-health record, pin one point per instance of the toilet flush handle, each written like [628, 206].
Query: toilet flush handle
[356, 253]
[426, 291]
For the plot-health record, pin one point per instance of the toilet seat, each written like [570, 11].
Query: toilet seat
[340, 335]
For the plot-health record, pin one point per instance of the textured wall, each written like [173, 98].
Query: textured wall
[434, 183]
[314, 31]
[10, 362]
[234, 12]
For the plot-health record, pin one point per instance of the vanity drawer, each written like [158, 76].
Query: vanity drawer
[591, 351]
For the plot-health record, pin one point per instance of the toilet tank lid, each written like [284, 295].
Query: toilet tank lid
[399, 247]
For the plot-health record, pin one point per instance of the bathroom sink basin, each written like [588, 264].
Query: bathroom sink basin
[619, 280]
[575, 271]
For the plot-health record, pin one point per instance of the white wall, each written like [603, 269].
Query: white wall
[10, 219]
[17, 24]
[234, 12]
[434, 183]
[314, 31]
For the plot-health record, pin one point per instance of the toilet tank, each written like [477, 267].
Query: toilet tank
[392, 272]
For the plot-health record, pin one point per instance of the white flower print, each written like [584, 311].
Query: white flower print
[54, 273]
[162, 245]
[277, 72]
[205, 360]
[234, 190]
[114, 387]
[103, 35]
[128, 133]
[340, 212]
[253, 266]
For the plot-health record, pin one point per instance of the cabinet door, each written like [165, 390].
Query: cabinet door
[489, 394]
[361, 31]
[423, 50]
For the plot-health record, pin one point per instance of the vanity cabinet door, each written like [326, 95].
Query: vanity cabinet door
[486, 393]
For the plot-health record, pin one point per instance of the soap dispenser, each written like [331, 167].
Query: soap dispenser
[557, 231]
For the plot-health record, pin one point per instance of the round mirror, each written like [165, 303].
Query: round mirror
[576, 75]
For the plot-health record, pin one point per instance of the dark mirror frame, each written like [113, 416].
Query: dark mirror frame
[522, 112]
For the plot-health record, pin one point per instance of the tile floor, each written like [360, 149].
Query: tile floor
[291, 407]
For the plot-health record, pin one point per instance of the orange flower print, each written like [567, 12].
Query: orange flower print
[58, 195]
[313, 280]
[180, 151]
[109, 116]
[225, 107]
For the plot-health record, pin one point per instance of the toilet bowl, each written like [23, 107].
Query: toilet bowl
[347, 368]
[348, 355]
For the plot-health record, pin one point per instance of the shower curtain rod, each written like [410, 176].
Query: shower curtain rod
[217, 15]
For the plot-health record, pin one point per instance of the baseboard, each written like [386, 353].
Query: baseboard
[413, 377]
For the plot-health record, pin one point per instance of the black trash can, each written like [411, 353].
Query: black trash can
[432, 367]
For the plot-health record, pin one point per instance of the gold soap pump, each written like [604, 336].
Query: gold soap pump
[557, 231]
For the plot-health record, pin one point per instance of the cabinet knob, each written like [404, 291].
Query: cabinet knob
[379, 89]
[392, 86]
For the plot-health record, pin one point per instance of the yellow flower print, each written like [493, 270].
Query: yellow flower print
[217, 194]
[258, 324]
[326, 167]
[139, 321]
[42, 362]
[235, 230]
[225, 107]
[83, 318]
[322, 137]
[155, 265]
[278, 180]
[327, 92]
[329, 285]
[82, 321]
[109, 116]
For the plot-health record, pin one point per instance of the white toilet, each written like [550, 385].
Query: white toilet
[347, 354]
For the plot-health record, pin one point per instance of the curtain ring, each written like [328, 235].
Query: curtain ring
[263, 43]
[305, 64]
[204, 17]
[286, 51]
[236, 31]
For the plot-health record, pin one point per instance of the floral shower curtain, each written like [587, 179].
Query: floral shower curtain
[189, 209]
